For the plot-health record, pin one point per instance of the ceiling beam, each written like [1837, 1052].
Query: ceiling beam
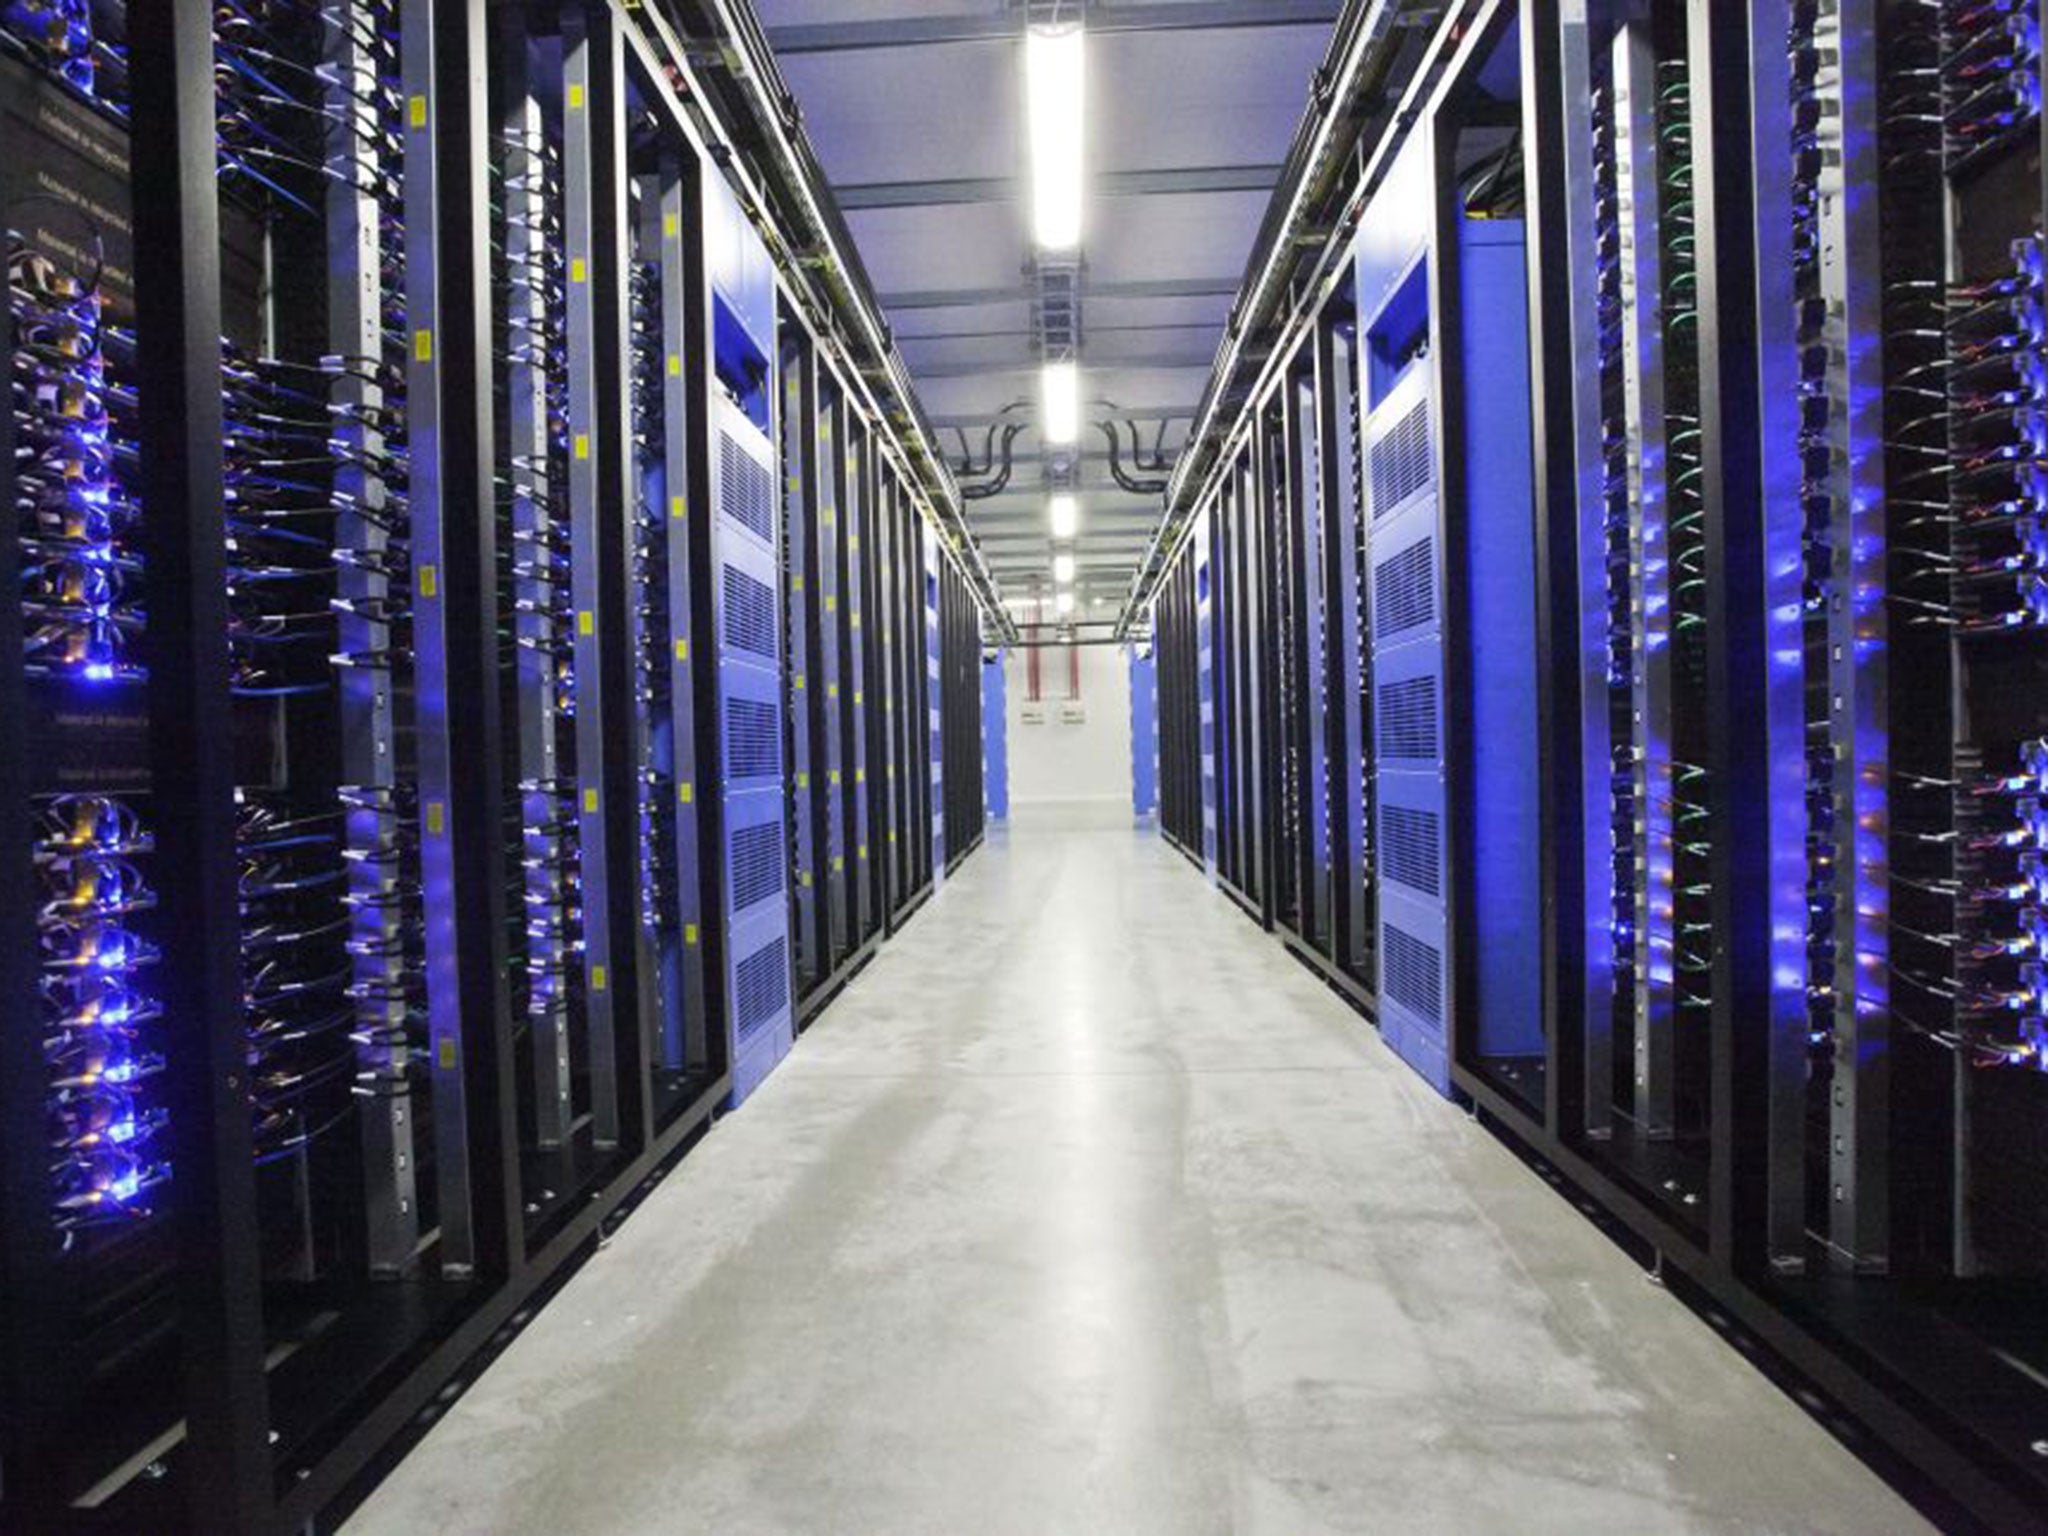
[1166, 288]
[1146, 362]
[1166, 181]
[1094, 412]
[927, 31]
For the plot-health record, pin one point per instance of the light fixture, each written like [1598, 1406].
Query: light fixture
[1063, 604]
[1066, 515]
[1061, 425]
[1055, 77]
[1063, 569]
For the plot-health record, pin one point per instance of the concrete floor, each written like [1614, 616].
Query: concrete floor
[1087, 1210]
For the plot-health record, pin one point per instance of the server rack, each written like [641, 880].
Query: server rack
[845, 518]
[995, 738]
[1739, 868]
[965, 810]
[1144, 734]
[378, 891]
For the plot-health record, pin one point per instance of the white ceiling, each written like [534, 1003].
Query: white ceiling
[914, 107]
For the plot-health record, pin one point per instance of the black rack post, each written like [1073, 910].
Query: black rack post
[226, 1456]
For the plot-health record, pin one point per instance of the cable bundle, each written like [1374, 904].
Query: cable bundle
[1617, 504]
[1990, 73]
[1686, 551]
[658, 873]
[81, 603]
[541, 826]
[1998, 468]
[1820, 501]
[2003, 986]
[295, 973]
[57, 35]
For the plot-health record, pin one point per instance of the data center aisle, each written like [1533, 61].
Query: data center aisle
[1088, 1210]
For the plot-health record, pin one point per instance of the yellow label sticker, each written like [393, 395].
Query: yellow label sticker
[582, 446]
[575, 97]
[689, 933]
[675, 366]
[796, 583]
[803, 781]
[682, 650]
[892, 836]
[858, 696]
[671, 225]
[598, 978]
[590, 800]
[831, 604]
[799, 682]
[430, 582]
[447, 1053]
[586, 623]
[577, 270]
[437, 818]
[423, 346]
[416, 111]
[804, 879]
[863, 850]
[676, 505]
[686, 792]
[860, 775]
[856, 621]
[838, 865]
[831, 690]
[835, 778]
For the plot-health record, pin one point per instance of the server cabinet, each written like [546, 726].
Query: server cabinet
[1144, 736]
[995, 736]
[804, 643]
[746, 525]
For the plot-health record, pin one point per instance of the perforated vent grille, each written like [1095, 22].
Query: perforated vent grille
[744, 492]
[749, 613]
[753, 740]
[760, 988]
[756, 864]
[1404, 590]
[1409, 847]
[1411, 973]
[1408, 719]
[1401, 461]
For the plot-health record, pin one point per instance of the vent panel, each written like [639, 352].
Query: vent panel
[1411, 848]
[753, 739]
[760, 988]
[1411, 974]
[1404, 590]
[1402, 461]
[756, 864]
[745, 492]
[749, 613]
[1408, 719]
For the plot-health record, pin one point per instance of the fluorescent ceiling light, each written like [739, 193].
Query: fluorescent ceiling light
[1062, 423]
[1055, 77]
[1066, 516]
[1063, 569]
[1063, 604]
